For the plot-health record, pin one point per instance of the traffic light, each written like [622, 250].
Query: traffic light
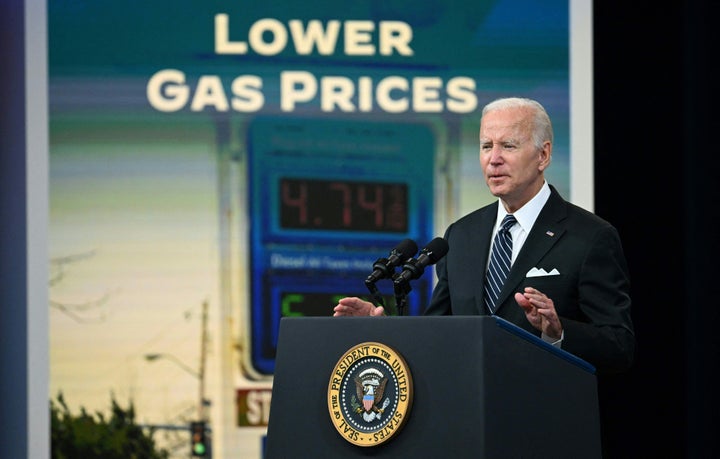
[198, 439]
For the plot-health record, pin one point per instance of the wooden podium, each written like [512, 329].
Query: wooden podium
[482, 388]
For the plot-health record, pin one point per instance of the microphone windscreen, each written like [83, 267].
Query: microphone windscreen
[436, 249]
[407, 248]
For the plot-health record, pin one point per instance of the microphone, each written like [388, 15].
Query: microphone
[429, 255]
[385, 267]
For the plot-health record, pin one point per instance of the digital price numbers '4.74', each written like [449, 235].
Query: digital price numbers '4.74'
[343, 205]
[326, 198]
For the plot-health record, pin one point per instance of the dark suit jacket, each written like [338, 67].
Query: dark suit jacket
[591, 294]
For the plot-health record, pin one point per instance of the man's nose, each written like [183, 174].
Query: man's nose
[496, 155]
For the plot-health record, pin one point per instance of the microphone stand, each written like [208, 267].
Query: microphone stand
[370, 284]
[402, 288]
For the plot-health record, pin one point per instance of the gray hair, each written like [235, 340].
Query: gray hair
[542, 126]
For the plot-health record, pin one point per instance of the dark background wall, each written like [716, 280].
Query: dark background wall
[13, 241]
[655, 179]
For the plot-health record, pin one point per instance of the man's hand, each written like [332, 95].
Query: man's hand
[353, 306]
[540, 312]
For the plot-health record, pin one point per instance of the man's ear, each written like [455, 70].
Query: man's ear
[545, 156]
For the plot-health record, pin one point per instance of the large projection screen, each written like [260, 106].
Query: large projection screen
[132, 175]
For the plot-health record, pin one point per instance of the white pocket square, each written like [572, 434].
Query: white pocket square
[535, 272]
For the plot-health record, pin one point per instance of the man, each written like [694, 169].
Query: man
[568, 280]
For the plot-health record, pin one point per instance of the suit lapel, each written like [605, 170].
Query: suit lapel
[483, 233]
[547, 230]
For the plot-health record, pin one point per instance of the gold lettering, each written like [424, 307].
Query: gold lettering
[336, 384]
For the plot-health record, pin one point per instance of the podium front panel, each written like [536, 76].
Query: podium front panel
[481, 389]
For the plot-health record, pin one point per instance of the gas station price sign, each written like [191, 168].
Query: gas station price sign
[343, 205]
[326, 198]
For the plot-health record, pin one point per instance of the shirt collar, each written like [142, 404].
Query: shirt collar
[527, 214]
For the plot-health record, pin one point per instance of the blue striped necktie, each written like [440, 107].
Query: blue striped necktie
[499, 262]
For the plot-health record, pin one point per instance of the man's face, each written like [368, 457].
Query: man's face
[513, 166]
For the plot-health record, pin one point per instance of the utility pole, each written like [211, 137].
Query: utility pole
[202, 416]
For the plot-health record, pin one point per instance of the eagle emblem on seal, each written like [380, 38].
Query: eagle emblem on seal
[370, 387]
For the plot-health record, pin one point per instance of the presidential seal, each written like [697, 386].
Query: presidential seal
[370, 394]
